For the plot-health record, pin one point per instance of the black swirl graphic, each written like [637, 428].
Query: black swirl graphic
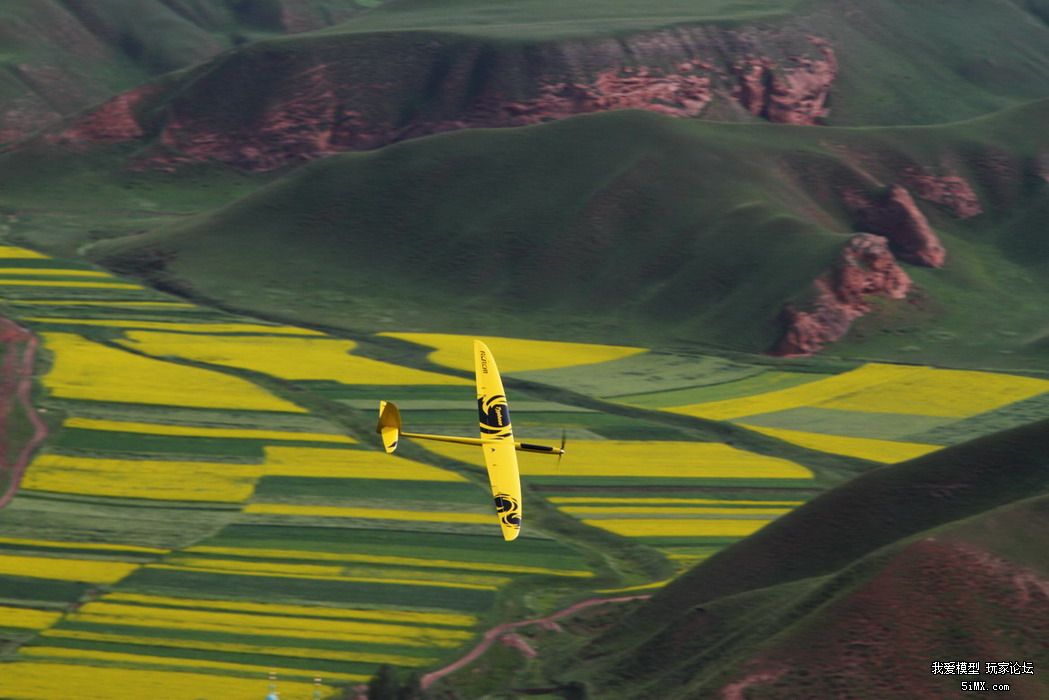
[509, 510]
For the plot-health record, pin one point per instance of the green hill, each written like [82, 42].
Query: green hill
[681, 231]
[862, 588]
[62, 56]
[406, 69]
[899, 62]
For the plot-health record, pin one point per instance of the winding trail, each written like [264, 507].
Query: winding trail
[494, 634]
[16, 384]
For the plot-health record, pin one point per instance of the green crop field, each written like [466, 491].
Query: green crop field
[277, 539]
[152, 509]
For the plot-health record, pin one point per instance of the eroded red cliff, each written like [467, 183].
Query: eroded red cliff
[113, 121]
[298, 105]
[866, 268]
[951, 192]
[896, 216]
[793, 94]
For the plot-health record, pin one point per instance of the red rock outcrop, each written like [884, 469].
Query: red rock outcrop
[19, 349]
[676, 94]
[787, 95]
[952, 192]
[866, 268]
[313, 121]
[896, 216]
[296, 105]
[305, 124]
[111, 122]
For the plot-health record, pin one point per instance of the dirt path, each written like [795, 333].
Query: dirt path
[494, 634]
[16, 385]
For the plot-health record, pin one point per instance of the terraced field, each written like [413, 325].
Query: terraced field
[212, 505]
[883, 413]
[191, 529]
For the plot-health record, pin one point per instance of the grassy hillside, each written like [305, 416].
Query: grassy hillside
[945, 546]
[687, 231]
[549, 19]
[901, 62]
[406, 69]
[61, 56]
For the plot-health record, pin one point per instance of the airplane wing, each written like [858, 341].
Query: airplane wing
[497, 442]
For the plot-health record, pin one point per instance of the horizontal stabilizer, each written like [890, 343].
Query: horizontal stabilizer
[389, 425]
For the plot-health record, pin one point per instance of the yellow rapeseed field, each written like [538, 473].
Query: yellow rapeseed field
[653, 501]
[51, 272]
[669, 511]
[646, 458]
[267, 625]
[65, 568]
[882, 388]
[183, 480]
[809, 394]
[325, 359]
[180, 663]
[885, 451]
[941, 392]
[90, 546]
[202, 431]
[27, 618]
[298, 651]
[10, 252]
[135, 478]
[67, 284]
[373, 513]
[114, 304]
[515, 354]
[35, 680]
[384, 615]
[356, 558]
[84, 369]
[299, 571]
[349, 464]
[633, 589]
[455, 579]
[659, 527]
[248, 328]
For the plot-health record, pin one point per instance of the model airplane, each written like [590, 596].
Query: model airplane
[496, 441]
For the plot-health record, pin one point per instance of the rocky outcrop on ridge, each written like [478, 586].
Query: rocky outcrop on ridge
[896, 216]
[113, 121]
[866, 268]
[797, 96]
[273, 105]
[951, 192]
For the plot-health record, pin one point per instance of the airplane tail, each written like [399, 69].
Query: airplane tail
[389, 425]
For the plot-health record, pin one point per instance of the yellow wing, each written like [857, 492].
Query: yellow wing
[497, 441]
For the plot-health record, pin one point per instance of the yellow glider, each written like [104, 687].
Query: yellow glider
[496, 441]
